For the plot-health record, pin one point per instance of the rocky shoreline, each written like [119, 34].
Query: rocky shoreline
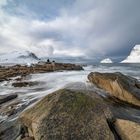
[17, 76]
[71, 114]
[23, 70]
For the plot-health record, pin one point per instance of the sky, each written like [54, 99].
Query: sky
[93, 29]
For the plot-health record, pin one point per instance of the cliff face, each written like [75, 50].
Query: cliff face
[134, 56]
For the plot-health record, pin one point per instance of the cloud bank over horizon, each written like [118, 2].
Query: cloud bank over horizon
[77, 28]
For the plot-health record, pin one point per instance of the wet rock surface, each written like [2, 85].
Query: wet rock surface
[10, 130]
[14, 107]
[128, 130]
[24, 84]
[80, 111]
[56, 110]
[19, 70]
[68, 114]
[6, 98]
[118, 85]
[13, 130]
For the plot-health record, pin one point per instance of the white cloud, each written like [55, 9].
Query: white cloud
[3, 2]
[44, 48]
[87, 28]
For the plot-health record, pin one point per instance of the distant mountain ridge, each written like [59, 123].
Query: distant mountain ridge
[18, 57]
[29, 55]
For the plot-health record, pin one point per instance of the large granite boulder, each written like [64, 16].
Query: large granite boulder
[118, 85]
[127, 130]
[67, 115]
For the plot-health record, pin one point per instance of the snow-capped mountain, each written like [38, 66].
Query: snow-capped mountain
[107, 60]
[18, 57]
[134, 56]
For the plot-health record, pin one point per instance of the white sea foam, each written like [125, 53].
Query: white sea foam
[50, 82]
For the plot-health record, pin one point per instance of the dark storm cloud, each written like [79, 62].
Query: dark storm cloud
[91, 28]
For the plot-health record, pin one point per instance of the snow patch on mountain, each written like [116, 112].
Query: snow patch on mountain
[134, 56]
[18, 57]
[107, 60]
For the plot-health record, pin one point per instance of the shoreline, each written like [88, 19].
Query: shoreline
[22, 70]
[119, 108]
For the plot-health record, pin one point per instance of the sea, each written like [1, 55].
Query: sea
[50, 82]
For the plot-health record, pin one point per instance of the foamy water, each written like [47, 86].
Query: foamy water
[50, 82]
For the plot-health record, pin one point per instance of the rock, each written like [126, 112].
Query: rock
[6, 98]
[3, 79]
[24, 84]
[19, 137]
[67, 114]
[19, 70]
[137, 85]
[122, 87]
[10, 130]
[127, 130]
[28, 138]
[14, 107]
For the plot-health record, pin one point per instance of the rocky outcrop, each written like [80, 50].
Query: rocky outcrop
[19, 70]
[6, 98]
[9, 130]
[13, 130]
[24, 84]
[118, 85]
[13, 107]
[67, 114]
[127, 130]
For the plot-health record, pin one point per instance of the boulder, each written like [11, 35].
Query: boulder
[24, 84]
[118, 85]
[67, 114]
[127, 130]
